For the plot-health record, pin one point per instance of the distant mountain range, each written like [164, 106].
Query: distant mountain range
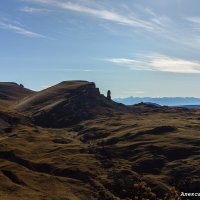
[189, 102]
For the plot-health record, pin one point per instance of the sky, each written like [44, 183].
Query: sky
[134, 48]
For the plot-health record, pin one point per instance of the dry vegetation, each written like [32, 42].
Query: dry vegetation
[114, 153]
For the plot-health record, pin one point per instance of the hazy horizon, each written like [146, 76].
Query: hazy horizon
[105, 92]
[132, 48]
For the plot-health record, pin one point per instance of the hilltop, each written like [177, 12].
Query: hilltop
[10, 91]
[71, 142]
[67, 103]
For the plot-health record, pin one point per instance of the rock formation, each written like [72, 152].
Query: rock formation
[109, 95]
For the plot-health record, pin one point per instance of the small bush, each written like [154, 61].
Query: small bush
[142, 192]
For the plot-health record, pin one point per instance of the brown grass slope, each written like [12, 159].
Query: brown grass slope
[10, 91]
[101, 157]
[66, 104]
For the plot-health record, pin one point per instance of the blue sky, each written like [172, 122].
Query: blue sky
[134, 48]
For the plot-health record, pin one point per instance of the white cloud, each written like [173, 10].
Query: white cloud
[141, 20]
[168, 64]
[159, 62]
[194, 19]
[123, 18]
[19, 30]
[122, 60]
[106, 15]
[195, 23]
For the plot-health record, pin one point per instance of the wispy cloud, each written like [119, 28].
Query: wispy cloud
[126, 62]
[19, 30]
[106, 15]
[143, 21]
[195, 23]
[119, 17]
[34, 10]
[159, 62]
[194, 19]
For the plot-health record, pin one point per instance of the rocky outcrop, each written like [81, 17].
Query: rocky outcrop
[109, 95]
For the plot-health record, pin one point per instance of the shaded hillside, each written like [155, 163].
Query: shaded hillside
[12, 91]
[153, 108]
[67, 103]
[101, 157]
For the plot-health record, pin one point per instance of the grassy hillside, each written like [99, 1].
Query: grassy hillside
[12, 91]
[66, 104]
[102, 157]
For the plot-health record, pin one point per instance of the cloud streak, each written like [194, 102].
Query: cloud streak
[34, 10]
[194, 19]
[122, 18]
[195, 23]
[19, 30]
[143, 21]
[159, 62]
[106, 15]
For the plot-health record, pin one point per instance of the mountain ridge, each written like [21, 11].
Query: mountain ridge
[163, 101]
